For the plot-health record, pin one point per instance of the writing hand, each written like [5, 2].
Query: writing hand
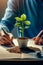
[39, 38]
[5, 39]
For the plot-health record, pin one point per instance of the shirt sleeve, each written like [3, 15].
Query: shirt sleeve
[8, 20]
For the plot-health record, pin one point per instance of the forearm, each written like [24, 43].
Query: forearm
[3, 26]
[7, 24]
[8, 20]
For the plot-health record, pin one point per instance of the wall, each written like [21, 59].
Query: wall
[3, 4]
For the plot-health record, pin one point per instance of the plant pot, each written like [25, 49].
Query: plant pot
[22, 42]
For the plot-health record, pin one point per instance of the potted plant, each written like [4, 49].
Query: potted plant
[22, 24]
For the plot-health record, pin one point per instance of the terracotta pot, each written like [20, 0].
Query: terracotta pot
[22, 42]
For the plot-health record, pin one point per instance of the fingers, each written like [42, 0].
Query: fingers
[34, 38]
[11, 36]
[5, 40]
[2, 42]
[39, 41]
[2, 34]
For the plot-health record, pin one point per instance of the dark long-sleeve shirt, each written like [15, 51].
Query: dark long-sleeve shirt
[32, 8]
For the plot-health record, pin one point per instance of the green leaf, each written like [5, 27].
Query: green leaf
[17, 24]
[20, 27]
[26, 27]
[20, 30]
[27, 22]
[23, 17]
[18, 19]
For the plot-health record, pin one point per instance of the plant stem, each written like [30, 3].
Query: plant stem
[22, 29]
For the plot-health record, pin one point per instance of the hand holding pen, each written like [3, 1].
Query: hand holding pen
[6, 38]
[39, 38]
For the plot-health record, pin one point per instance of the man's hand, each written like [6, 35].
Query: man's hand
[38, 40]
[4, 39]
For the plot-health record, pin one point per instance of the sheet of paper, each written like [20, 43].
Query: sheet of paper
[15, 42]
[4, 54]
[31, 43]
[3, 50]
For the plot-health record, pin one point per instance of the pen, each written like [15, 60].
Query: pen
[5, 32]
[40, 34]
[8, 36]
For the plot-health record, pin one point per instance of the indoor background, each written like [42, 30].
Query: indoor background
[3, 4]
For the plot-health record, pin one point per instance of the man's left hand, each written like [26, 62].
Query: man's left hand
[38, 40]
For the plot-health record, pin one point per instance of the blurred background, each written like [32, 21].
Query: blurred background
[3, 5]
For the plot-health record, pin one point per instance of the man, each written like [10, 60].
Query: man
[17, 7]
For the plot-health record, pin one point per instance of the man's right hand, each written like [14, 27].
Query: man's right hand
[6, 40]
